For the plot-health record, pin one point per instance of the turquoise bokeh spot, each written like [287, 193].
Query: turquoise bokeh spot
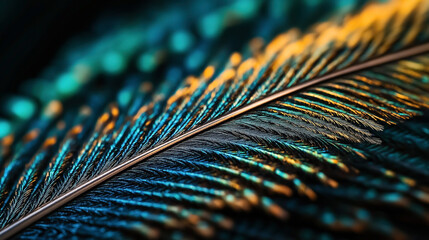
[195, 60]
[22, 108]
[147, 62]
[181, 41]
[363, 214]
[67, 84]
[124, 97]
[211, 25]
[392, 197]
[328, 218]
[246, 8]
[5, 128]
[113, 62]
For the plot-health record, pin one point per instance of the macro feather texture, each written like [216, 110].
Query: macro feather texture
[337, 158]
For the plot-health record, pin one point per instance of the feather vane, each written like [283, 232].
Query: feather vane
[277, 160]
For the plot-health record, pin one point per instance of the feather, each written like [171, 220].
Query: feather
[296, 141]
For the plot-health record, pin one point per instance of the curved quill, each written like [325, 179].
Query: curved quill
[286, 63]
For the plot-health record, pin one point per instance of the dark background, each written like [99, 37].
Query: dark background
[32, 32]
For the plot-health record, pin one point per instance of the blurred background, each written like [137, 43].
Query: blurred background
[78, 52]
[32, 31]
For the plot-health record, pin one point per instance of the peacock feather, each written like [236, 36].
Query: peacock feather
[319, 134]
